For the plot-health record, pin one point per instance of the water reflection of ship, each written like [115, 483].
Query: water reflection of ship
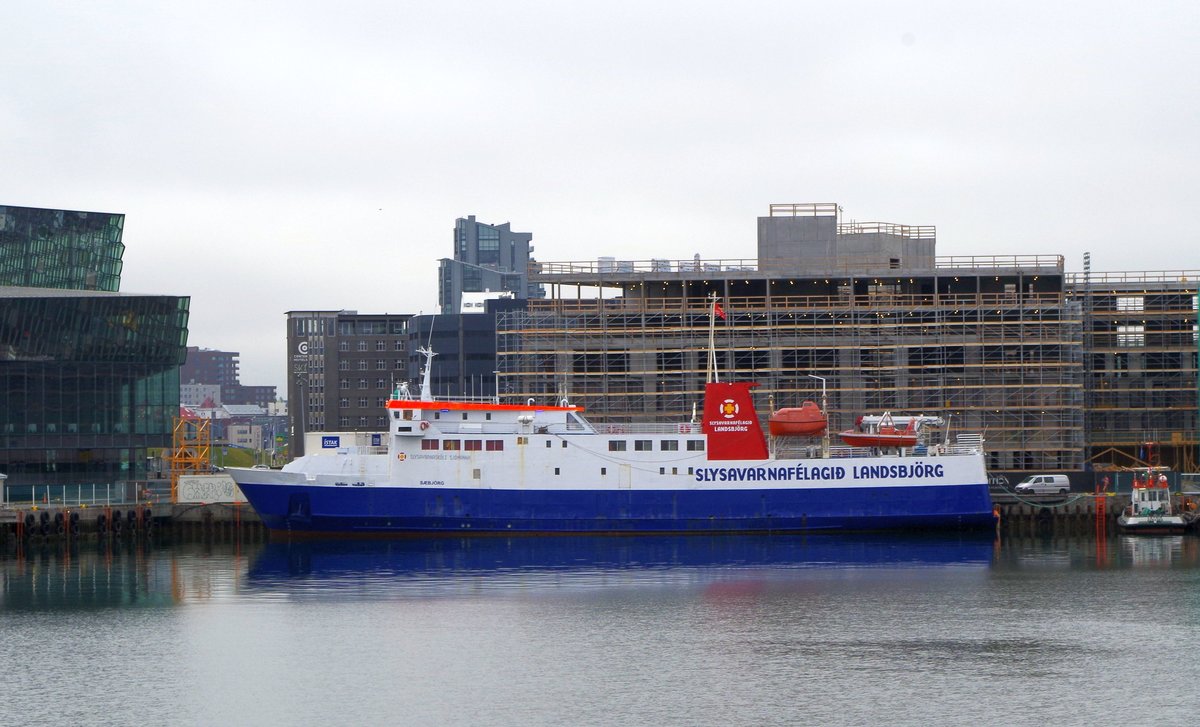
[1158, 551]
[445, 560]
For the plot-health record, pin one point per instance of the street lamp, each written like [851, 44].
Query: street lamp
[825, 436]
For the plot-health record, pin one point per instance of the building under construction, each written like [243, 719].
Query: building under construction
[1060, 371]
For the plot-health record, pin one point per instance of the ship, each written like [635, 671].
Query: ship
[1151, 510]
[479, 466]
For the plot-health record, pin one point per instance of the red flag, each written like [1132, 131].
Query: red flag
[718, 310]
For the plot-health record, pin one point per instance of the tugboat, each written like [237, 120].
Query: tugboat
[1151, 511]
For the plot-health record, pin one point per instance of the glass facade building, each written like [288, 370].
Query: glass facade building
[486, 258]
[89, 378]
[42, 248]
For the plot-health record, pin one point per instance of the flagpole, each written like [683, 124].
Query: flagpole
[713, 375]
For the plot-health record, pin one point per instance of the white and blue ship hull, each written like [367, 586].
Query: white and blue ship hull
[365, 511]
[472, 468]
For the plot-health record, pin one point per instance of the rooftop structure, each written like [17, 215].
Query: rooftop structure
[45, 248]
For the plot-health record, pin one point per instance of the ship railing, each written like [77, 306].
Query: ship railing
[967, 444]
[960, 450]
[458, 399]
[790, 450]
[850, 452]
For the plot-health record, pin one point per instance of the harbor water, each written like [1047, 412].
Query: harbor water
[603, 631]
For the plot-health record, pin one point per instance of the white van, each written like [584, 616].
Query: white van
[1044, 485]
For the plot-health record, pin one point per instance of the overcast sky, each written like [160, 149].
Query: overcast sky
[275, 156]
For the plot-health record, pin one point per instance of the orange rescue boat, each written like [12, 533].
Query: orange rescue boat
[805, 421]
[883, 434]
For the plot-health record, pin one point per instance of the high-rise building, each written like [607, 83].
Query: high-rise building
[486, 258]
[342, 366]
[89, 377]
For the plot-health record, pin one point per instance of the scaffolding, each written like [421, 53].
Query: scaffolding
[1141, 374]
[191, 450]
[995, 344]
[999, 351]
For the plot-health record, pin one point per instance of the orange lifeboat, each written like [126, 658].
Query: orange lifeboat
[806, 421]
[883, 434]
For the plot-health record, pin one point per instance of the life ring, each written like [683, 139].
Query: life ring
[424, 426]
[685, 428]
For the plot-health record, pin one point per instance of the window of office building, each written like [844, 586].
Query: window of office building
[1131, 336]
[489, 245]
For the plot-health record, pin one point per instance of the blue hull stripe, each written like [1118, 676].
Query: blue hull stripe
[368, 510]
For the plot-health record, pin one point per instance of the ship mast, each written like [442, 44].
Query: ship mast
[426, 387]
